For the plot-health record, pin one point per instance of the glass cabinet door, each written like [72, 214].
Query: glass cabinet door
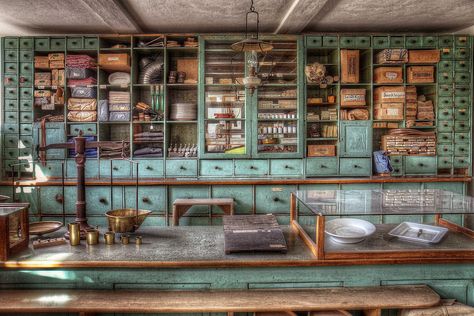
[224, 117]
[277, 109]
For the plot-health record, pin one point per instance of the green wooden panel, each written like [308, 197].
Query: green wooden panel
[99, 201]
[286, 167]
[251, 167]
[120, 168]
[10, 153]
[397, 41]
[243, 196]
[149, 168]
[54, 134]
[216, 168]
[462, 162]
[86, 129]
[321, 166]
[181, 168]
[91, 43]
[273, 198]
[462, 41]
[10, 80]
[330, 41]
[355, 139]
[420, 165]
[355, 166]
[430, 41]
[445, 149]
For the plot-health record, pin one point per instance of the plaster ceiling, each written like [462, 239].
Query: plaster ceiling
[23, 17]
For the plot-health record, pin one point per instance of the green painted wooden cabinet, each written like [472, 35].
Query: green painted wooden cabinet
[355, 139]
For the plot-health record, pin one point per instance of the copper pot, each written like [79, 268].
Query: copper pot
[125, 220]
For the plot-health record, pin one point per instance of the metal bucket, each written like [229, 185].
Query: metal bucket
[126, 220]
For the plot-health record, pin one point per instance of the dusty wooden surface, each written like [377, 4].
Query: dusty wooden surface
[364, 298]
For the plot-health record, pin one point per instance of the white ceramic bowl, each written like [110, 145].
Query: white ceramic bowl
[349, 230]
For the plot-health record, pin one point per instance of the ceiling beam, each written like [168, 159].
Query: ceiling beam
[114, 15]
[298, 13]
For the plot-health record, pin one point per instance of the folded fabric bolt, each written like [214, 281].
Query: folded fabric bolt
[119, 78]
[142, 139]
[148, 151]
[103, 114]
[119, 107]
[119, 97]
[150, 134]
[83, 92]
[82, 82]
[119, 116]
[80, 61]
[79, 73]
[82, 116]
[79, 104]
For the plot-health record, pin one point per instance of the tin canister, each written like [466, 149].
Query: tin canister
[74, 234]
[138, 240]
[125, 239]
[92, 237]
[109, 238]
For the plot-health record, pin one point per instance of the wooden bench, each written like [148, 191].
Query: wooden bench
[181, 206]
[371, 300]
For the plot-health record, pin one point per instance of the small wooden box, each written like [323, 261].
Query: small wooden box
[14, 229]
[392, 56]
[321, 150]
[420, 74]
[349, 66]
[389, 94]
[353, 97]
[388, 111]
[388, 75]
[115, 62]
[430, 56]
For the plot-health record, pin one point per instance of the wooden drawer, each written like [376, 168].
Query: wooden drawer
[53, 198]
[445, 102]
[86, 129]
[181, 168]
[120, 168]
[25, 142]
[430, 41]
[11, 117]
[99, 200]
[461, 149]
[26, 105]
[314, 41]
[321, 166]
[462, 65]
[461, 102]
[330, 41]
[462, 90]
[445, 137]
[461, 126]
[445, 126]
[413, 41]
[26, 81]
[397, 165]
[445, 90]
[273, 199]
[10, 153]
[445, 66]
[26, 43]
[10, 80]
[91, 43]
[10, 55]
[242, 195]
[26, 68]
[251, 167]
[355, 166]
[11, 105]
[26, 117]
[42, 44]
[445, 41]
[11, 68]
[445, 162]
[149, 168]
[462, 77]
[461, 53]
[26, 129]
[25, 153]
[57, 44]
[380, 41]
[26, 93]
[149, 198]
[420, 165]
[445, 77]
[461, 138]
[461, 41]
[10, 141]
[445, 149]
[26, 55]
[461, 162]
[9, 128]
[286, 167]
[363, 41]
[446, 53]
[347, 42]
[397, 41]
[11, 43]
[91, 168]
[445, 114]
[74, 43]
[217, 168]
[461, 114]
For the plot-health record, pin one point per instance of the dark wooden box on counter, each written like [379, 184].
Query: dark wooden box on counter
[14, 229]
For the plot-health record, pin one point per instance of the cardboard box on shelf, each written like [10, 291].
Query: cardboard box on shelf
[388, 75]
[56, 56]
[115, 62]
[349, 66]
[388, 111]
[353, 97]
[58, 78]
[321, 150]
[430, 56]
[392, 56]
[420, 74]
[389, 94]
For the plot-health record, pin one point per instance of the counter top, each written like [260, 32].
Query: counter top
[183, 247]
[234, 180]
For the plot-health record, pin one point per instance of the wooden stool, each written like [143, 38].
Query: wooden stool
[181, 206]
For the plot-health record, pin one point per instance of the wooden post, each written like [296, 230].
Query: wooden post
[373, 312]
[320, 227]
[293, 214]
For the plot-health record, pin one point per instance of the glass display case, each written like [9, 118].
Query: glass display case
[381, 224]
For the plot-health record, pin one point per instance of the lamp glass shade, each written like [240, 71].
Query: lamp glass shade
[252, 44]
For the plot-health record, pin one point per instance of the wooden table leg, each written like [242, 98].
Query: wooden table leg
[175, 215]
[320, 227]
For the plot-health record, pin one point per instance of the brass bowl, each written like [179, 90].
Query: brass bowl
[126, 220]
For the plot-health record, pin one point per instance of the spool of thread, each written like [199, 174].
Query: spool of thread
[138, 240]
[125, 239]
[109, 238]
[74, 234]
[92, 237]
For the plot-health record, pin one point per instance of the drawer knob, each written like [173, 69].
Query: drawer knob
[182, 167]
[276, 199]
[103, 200]
[252, 167]
[145, 199]
[59, 198]
[445, 149]
[322, 166]
[287, 167]
[421, 164]
[89, 129]
[115, 168]
[217, 168]
[149, 168]
[397, 170]
[356, 166]
[76, 130]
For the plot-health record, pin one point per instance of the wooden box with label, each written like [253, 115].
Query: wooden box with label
[353, 97]
[388, 111]
[420, 74]
[349, 66]
[321, 150]
[387, 94]
[388, 75]
[430, 56]
[115, 62]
